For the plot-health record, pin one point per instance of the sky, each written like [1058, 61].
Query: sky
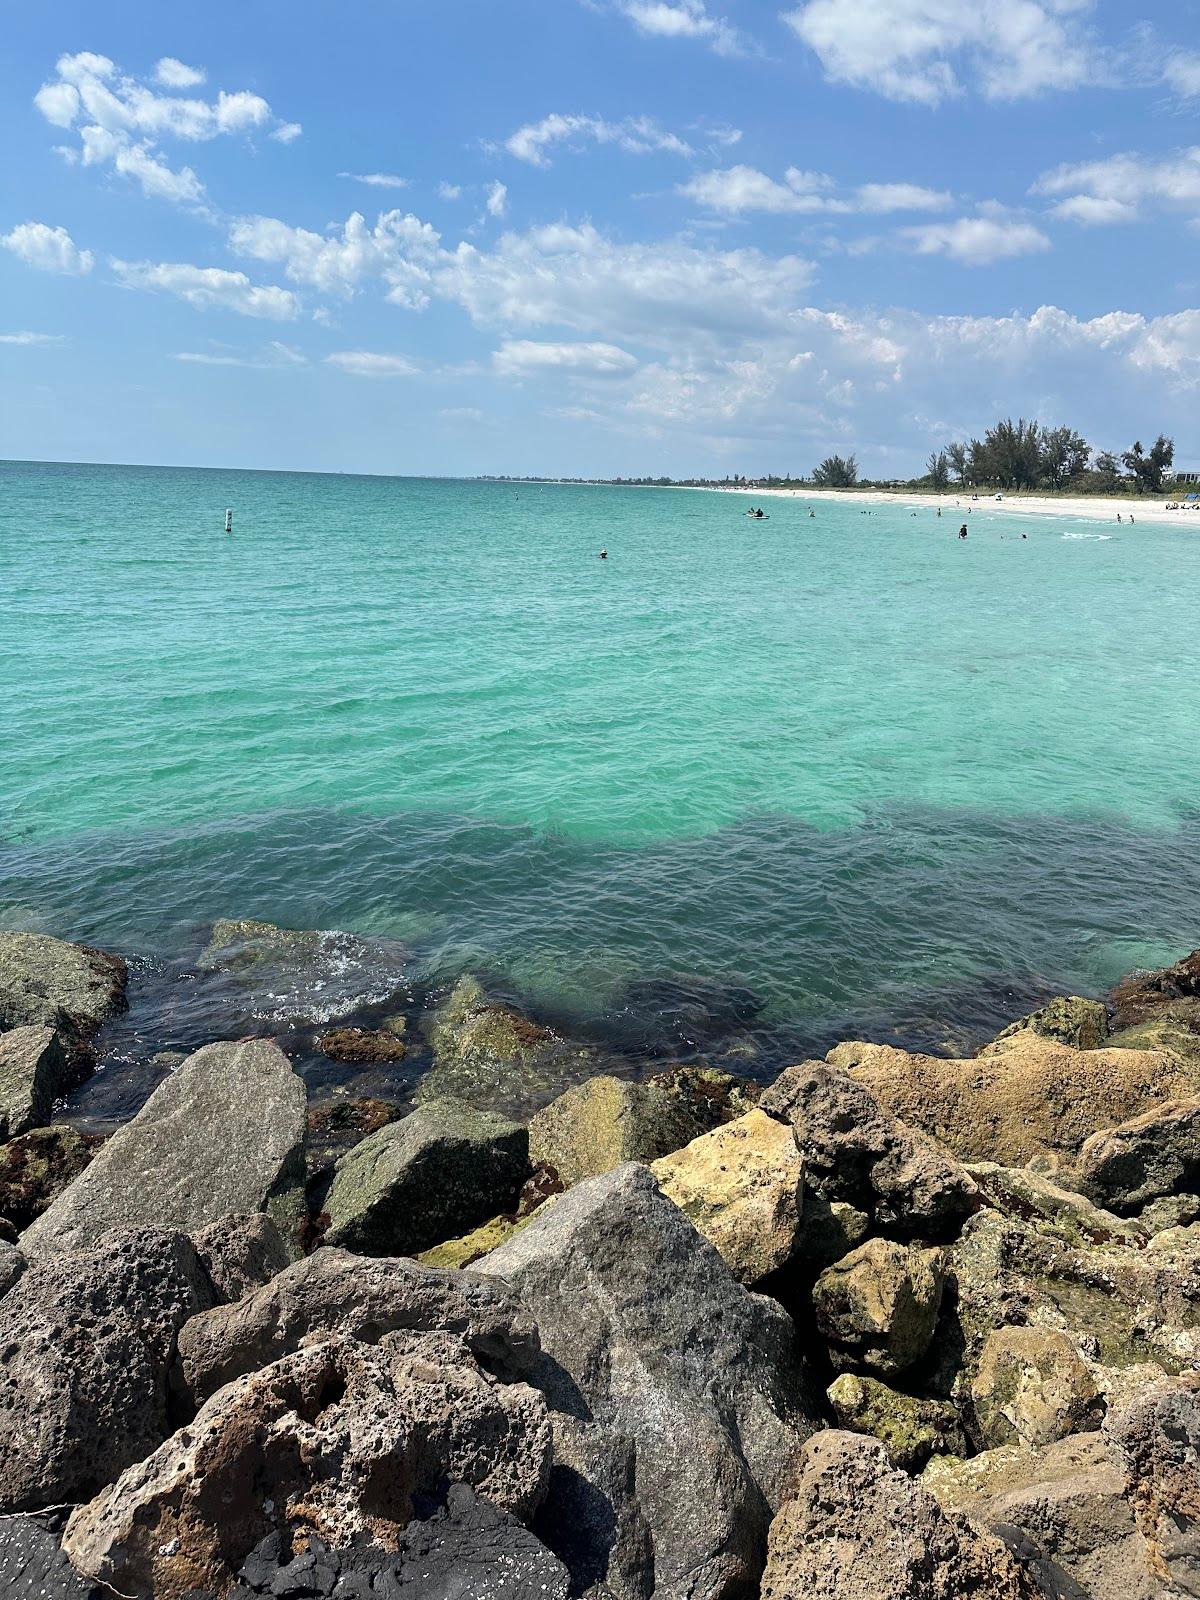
[594, 237]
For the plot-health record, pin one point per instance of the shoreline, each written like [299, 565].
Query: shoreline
[1092, 508]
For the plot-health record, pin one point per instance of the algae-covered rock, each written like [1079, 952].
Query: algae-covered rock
[879, 1305]
[1070, 1019]
[489, 1054]
[742, 1187]
[361, 1046]
[35, 1069]
[598, 1125]
[1034, 1103]
[445, 1168]
[1035, 1198]
[302, 974]
[220, 1137]
[37, 1167]
[47, 983]
[1167, 992]
[539, 1190]
[1157, 1442]
[910, 1429]
[1032, 1385]
[332, 1126]
[1148, 1158]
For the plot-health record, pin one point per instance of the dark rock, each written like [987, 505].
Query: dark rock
[1149, 1158]
[241, 1254]
[339, 1440]
[37, 1167]
[333, 1292]
[32, 1567]
[334, 1125]
[35, 1069]
[427, 1178]
[220, 1137]
[361, 1046]
[302, 974]
[681, 1011]
[1149, 996]
[86, 1344]
[46, 983]
[856, 1152]
[650, 1341]
[1157, 1443]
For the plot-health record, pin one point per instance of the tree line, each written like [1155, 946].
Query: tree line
[1027, 455]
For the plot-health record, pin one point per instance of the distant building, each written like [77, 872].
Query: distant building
[1187, 477]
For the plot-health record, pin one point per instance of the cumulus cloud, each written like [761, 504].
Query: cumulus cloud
[368, 364]
[884, 197]
[1119, 188]
[26, 338]
[400, 249]
[638, 135]
[735, 191]
[928, 50]
[976, 241]
[123, 123]
[684, 19]
[48, 249]
[497, 198]
[377, 180]
[209, 288]
[517, 358]
[173, 74]
[449, 191]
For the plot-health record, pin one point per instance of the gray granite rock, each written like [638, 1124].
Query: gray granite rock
[34, 1071]
[45, 982]
[241, 1253]
[221, 1137]
[1145, 1159]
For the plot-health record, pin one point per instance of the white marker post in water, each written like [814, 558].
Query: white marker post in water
[228, 521]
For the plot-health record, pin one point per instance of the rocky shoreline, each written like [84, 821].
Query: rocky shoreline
[893, 1327]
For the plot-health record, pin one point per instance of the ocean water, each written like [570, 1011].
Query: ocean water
[872, 777]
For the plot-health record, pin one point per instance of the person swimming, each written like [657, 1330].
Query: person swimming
[962, 532]
[604, 555]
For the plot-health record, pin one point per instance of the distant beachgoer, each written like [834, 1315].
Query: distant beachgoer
[962, 532]
[1131, 516]
[604, 555]
[811, 512]
[1118, 516]
[759, 513]
[939, 511]
[1024, 536]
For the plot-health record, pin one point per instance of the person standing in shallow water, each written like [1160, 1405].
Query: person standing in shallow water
[962, 532]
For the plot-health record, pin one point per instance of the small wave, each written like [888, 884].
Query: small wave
[1099, 536]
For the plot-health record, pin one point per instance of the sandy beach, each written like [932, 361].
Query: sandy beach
[1097, 508]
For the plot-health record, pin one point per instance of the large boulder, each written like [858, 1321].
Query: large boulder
[47, 983]
[32, 1567]
[1035, 1197]
[490, 1054]
[333, 1292]
[856, 1152]
[1157, 1443]
[1070, 1019]
[35, 1069]
[1035, 1102]
[1167, 992]
[1068, 1498]
[742, 1186]
[86, 1345]
[909, 1428]
[432, 1175]
[682, 1398]
[241, 1254]
[38, 1166]
[856, 1528]
[1146, 1159]
[605, 1122]
[223, 1135]
[340, 1439]
[1033, 1386]
[878, 1306]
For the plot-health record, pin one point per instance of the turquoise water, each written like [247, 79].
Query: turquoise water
[873, 773]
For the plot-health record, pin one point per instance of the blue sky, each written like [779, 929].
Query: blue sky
[594, 236]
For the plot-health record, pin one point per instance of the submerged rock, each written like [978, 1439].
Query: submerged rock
[47, 983]
[333, 1292]
[856, 1528]
[416, 1182]
[222, 1136]
[361, 1046]
[35, 1070]
[878, 1306]
[86, 1345]
[338, 1440]
[1032, 1386]
[856, 1152]
[37, 1167]
[603, 1123]
[909, 1428]
[1149, 1158]
[336, 1124]
[1070, 1019]
[1168, 992]
[742, 1187]
[679, 1396]
[1036, 1102]
[302, 974]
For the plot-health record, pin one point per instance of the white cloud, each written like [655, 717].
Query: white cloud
[518, 358]
[48, 249]
[1181, 72]
[449, 191]
[209, 288]
[497, 198]
[1119, 188]
[399, 249]
[884, 197]
[272, 356]
[122, 122]
[736, 190]
[173, 74]
[462, 414]
[286, 132]
[31, 338]
[928, 50]
[638, 135]
[684, 19]
[367, 364]
[976, 241]
[377, 180]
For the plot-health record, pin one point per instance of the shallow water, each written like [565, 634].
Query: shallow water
[884, 779]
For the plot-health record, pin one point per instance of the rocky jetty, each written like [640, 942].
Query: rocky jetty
[896, 1327]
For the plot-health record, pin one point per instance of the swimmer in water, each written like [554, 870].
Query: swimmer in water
[604, 555]
[962, 532]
